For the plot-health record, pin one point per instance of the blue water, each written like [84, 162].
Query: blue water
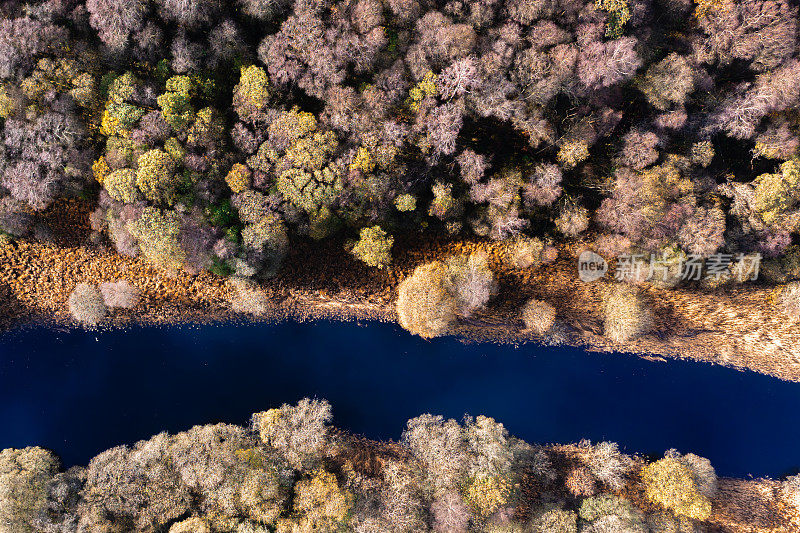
[79, 392]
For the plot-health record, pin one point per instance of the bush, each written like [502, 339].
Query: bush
[611, 514]
[86, 304]
[573, 153]
[121, 185]
[580, 482]
[470, 281]
[704, 473]
[374, 247]
[440, 448]
[405, 203]
[450, 514]
[320, 503]
[194, 524]
[238, 179]
[488, 494]
[538, 316]
[245, 297]
[24, 478]
[606, 463]
[157, 233]
[626, 315]
[120, 294]
[523, 252]
[790, 491]
[425, 306]
[298, 432]
[573, 220]
[156, 176]
[670, 483]
[554, 521]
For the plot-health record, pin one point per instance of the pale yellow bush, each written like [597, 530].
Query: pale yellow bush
[194, 524]
[627, 316]
[671, 484]
[538, 316]
[425, 306]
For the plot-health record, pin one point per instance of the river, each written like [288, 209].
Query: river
[81, 392]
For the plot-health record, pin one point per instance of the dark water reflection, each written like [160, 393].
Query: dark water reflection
[79, 392]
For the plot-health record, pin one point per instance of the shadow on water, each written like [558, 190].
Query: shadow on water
[81, 392]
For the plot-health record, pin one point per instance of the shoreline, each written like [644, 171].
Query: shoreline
[736, 326]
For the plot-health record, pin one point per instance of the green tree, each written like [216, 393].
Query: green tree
[374, 247]
[156, 176]
[157, 231]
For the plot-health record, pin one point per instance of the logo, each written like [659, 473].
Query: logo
[591, 266]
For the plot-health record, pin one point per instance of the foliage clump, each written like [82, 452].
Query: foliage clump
[374, 247]
[627, 315]
[86, 304]
[672, 484]
[538, 316]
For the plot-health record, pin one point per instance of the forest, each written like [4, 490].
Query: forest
[210, 135]
[290, 471]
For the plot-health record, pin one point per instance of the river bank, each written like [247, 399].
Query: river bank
[736, 326]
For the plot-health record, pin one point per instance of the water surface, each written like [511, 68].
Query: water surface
[79, 393]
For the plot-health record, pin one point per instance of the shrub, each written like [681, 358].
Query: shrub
[193, 524]
[156, 176]
[238, 179]
[15, 218]
[405, 203]
[470, 281]
[250, 96]
[297, 432]
[268, 241]
[321, 503]
[121, 185]
[120, 294]
[580, 482]
[704, 474]
[573, 153]
[626, 315]
[488, 494]
[522, 252]
[670, 483]
[157, 232]
[86, 304]
[425, 306]
[245, 297]
[606, 463]
[554, 521]
[440, 447]
[790, 491]
[450, 514]
[374, 247]
[668, 82]
[538, 316]
[611, 514]
[24, 478]
[573, 220]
